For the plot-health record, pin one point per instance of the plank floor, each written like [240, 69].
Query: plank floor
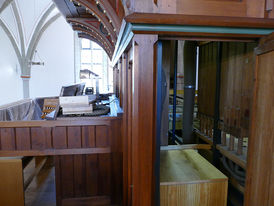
[41, 191]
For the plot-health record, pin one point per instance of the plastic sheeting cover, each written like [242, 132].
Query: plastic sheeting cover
[24, 110]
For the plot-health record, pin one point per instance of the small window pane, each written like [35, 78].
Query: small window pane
[97, 56]
[98, 69]
[86, 56]
[85, 44]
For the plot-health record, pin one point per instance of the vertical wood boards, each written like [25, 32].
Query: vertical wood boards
[128, 173]
[84, 178]
[259, 181]
[88, 136]
[143, 119]
[11, 187]
[125, 127]
[207, 79]
[237, 66]
[207, 86]
[36, 141]
[23, 140]
[8, 139]
[236, 81]
[194, 194]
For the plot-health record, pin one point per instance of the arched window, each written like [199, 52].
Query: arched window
[95, 66]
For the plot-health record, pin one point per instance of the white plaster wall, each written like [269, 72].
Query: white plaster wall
[10, 80]
[56, 49]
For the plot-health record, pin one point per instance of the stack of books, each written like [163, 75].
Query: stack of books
[75, 105]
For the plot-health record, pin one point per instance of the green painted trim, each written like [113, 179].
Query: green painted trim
[200, 29]
[127, 33]
[122, 43]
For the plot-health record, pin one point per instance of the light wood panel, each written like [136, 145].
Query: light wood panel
[187, 179]
[206, 194]
[11, 177]
[186, 166]
[259, 181]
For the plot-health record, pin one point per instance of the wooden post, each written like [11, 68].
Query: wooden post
[143, 119]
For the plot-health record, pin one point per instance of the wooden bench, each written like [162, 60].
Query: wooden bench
[16, 174]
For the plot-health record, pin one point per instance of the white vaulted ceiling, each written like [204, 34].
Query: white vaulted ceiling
[24, 16]
[8, 17]
[30, 12]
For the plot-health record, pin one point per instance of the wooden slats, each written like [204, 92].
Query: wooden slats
[89, 167]
[23, 140]
[86, 176]
[67, 168]
[88, 136]
[74, 137]
[92, 175]
[39, 141]
[96, 201]
[79, 171]
[104, 174]
[53, 152]
[59, 136]
[7, 139]
[237, 71]
[102, 138]
[39, 137]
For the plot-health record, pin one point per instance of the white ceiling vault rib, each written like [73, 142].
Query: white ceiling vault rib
[4, 4]
[39, 33]
[12, 40]
[39, 19]
[31, 15]
[8, 18]
[14, 23]
[20, 28]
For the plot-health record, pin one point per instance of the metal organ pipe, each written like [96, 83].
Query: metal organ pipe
[189, 58]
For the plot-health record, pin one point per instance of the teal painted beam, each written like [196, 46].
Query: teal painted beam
[128, 32]
[123, 42]
[200, 29]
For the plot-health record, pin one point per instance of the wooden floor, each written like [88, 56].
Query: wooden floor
[41, 191]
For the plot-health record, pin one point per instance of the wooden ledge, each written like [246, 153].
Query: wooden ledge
[53, 152]
[199, 20]
[186, 146]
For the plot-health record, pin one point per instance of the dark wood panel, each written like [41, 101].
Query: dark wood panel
[104, 174]
[74, 137]
[88, 136]
[87, 201]
[40, 138]
[59, 137]
[53, 152]
[8, 139]
[23, 140]
[116, 169]
[79, 175]
[200, 20]
[143, 120]
[60, 122]
[102, 138]
[57, 164]
[67, 176]
[91, 175]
